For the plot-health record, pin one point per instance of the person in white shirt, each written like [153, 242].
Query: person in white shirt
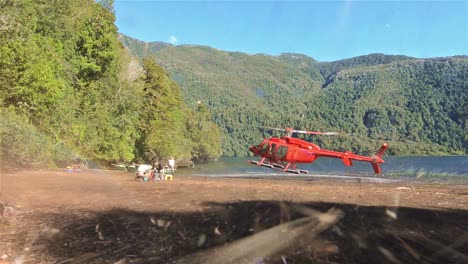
[172, 165]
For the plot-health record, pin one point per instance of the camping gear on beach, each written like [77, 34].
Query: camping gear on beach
[142, 172]
[168, 173]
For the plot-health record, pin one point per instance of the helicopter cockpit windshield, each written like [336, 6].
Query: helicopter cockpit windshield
[264, 146]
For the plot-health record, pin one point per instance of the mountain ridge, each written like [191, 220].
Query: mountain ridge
[126, 40]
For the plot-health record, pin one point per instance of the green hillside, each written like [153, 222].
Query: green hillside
[329, 69]
[417, 105]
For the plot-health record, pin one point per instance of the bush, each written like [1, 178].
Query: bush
[21, 143]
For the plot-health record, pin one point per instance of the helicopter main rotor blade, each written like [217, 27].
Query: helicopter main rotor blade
[315, 132]
[290, 130]
[274, 128]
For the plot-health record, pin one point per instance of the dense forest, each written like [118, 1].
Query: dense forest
[69, 89]
[418, 106]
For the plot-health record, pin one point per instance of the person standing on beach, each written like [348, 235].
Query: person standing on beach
[172, 165]
[160, 171]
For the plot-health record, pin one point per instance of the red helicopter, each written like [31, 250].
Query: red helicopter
[284, 152]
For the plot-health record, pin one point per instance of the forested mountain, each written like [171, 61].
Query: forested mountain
[329, 69]
[69, 89]
[419, 106]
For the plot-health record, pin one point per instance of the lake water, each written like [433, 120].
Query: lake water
[444, 167]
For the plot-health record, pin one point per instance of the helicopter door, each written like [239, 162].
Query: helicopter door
[272, 149]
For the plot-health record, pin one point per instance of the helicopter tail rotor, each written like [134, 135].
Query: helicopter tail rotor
[377, 159]
[381, 150]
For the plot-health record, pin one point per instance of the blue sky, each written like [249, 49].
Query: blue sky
[324, 30]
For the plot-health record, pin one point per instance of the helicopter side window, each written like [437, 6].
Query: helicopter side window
[282, 151]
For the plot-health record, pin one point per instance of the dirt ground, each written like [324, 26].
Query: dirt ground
[103, 216]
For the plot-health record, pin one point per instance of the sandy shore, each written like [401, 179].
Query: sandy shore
[101, 216]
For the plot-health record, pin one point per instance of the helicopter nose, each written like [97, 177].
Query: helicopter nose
[253, 149]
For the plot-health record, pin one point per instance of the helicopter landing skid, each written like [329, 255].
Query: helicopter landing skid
[278, 166]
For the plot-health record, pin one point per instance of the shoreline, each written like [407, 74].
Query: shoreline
[37, 188]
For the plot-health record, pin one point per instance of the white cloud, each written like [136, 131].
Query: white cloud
[387, 25]
[172, 40]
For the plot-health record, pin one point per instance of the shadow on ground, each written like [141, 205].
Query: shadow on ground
[356, 235]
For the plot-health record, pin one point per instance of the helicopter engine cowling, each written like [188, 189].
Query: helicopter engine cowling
[303, 156]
